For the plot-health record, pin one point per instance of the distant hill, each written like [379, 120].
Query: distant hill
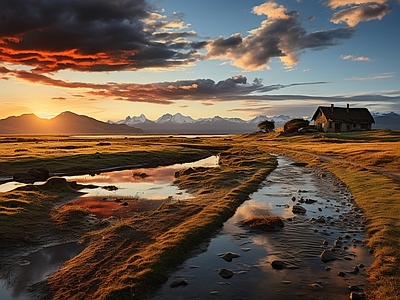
[65, 123]
[387, 121]
[178, 123]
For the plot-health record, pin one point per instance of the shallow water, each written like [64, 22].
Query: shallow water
[133, 194]
[133, 191]
[34, 268]
[299, 245]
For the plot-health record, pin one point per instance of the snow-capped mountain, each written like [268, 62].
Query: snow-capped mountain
[235, 120]
[175, 119]
[257, 120]
[386, 121]
[178, 123]
[130, 121]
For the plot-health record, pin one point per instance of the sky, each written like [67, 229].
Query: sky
[110, 59]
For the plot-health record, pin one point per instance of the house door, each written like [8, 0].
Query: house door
[337, 127]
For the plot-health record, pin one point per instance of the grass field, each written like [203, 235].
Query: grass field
[131, 256]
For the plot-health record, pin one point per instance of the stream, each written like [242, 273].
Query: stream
[331, 220]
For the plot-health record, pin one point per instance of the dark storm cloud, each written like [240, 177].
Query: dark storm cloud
[281, 35]
[104, 35]
[88, 35]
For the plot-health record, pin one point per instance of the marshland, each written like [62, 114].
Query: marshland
[134, 255]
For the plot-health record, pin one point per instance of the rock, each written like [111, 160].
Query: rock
[354, 288]
[178, 283]
[310, 201]
[325, 243]
[228, 256]
[328, 255]
[357, 296]
[337, 243]
[278, 264]
[33, 175]
[328, 268]
[56, 184]
[110, 188]
[341, 274]
[265, 223]
[298, 209]
[225, 273]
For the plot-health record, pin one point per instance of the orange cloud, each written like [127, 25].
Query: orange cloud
[89, 35]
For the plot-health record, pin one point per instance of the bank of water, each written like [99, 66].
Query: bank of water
[331, 221]
[120, 193]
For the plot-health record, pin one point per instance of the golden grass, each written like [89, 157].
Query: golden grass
[135, 256]
[132, 256]
[73, 156]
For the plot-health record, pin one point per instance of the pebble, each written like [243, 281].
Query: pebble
[278, 264]
[342, 274]
[225, 273]
[356, 296]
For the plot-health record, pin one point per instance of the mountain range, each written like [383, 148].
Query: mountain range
[178, 123]
[69, 123]
[65, 123]
[386, 121]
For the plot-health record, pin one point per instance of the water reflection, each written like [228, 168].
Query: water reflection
[156, 178]
[135, 190]
[298, 245]
[134, 194]
[33, 268]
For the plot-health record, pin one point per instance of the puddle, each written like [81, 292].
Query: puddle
[34, 268]
[129, 182]
[135, 190]
[298, 245]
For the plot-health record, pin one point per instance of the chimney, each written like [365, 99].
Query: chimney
[348, 107]
[331, 107]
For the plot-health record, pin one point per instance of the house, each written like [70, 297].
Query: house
[339, 119]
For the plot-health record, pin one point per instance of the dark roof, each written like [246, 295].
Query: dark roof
[347, 115]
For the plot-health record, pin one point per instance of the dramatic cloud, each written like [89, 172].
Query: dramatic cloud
[365, 12]
[205, 90]
[342, 3]
[280, 35]
[92, 35]
[103, 35]
[355, 58]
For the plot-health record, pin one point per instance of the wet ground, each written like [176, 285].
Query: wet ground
[120, 194]
[331, 221]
